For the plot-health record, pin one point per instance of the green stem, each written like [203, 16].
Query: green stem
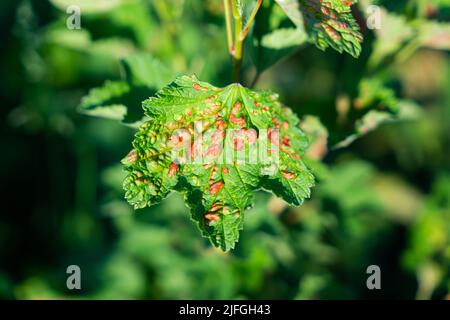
[226, 4]
[237, 52]
[236, 49]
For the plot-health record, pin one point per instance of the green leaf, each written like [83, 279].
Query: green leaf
[100, 102]
[121, 100]
[283, 38]
[144, 70]
[318, 136]
[393, 33]
[406, 111]
[398, 37]
[216, 146]
[329, 23]
[435, 35]
[374, 94]
[273, 36]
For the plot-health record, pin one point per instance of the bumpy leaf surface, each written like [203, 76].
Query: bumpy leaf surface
[216, 146]
[329, 23]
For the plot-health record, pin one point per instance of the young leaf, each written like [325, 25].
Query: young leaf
[273, 37]
[392, 35]
[329, 23]
[121, 100]
[99, 102]
[142, 69]
[405, 111]
[216, 146]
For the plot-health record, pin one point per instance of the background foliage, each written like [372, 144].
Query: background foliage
[383, 191]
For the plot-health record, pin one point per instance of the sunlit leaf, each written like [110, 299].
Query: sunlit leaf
[329, 23]
[236, 141]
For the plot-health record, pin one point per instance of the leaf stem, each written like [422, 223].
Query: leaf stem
[237, 52]
[226, 5]
[236, 48]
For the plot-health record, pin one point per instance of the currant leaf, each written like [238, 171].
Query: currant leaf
[216, 146]
[329, 23]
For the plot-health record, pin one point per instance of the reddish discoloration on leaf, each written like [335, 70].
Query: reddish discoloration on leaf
[274, 137]
[238, 143]
[348, 3]
[178, 139]
[215, 207]
[211, 99]
[288, 175]
[221, 124]
[132, 156]
[236, 108]
[213, 151]
[333, 34]
[275, 122]
[216, 187]
[198, 87]
[173, 168]
[196, 148]
[225, 170]
[286, 141]
[252, 136]
[218, 136]
[212, 217]
[239, 121]
[325, 10]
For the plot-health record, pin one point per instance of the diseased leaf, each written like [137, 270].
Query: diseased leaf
[329, 23]
[216, 146]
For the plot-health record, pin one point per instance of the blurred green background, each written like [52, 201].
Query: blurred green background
[383, 199]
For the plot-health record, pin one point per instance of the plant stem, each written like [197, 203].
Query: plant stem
[226, 4]
[236, 48]
[237, 52]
